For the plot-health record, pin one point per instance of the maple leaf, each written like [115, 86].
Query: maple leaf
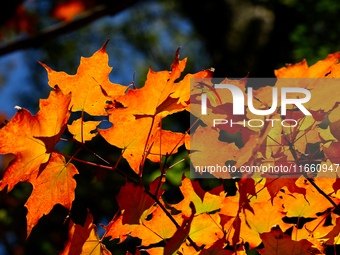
[274, 186]
[207, 202]
[201, 154]
[314, 229]
[278, 243]
[136, 205]
[259, 217]
[264, 216]
[309, 205]
[32, 138]
[55, 185]
[220, 110]
[90, 85]
[207, 226]
[141, 135]
[333, 235]
[159, 228]
[137, 120]
[84, 240]
[116, 229]
[82, 134]
[209, 218]
[249, 153]
[181, 234]
[134, 201]
[301, 70]
[151, 231]
[328, 88]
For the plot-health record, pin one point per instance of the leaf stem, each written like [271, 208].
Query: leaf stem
[146, 148]
[98, 165]
[83, 161]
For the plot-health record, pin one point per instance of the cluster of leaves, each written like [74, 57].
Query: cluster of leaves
[296, 215]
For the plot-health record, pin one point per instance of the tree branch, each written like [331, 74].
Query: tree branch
[170, 217]
[66, 27]
[311, 181]
[154, 197]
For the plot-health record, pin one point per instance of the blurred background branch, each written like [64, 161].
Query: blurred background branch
[236, 37]
[52, 32]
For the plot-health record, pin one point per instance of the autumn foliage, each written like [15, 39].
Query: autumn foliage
[257, 218]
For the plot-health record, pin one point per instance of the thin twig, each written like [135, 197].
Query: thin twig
[146, 149]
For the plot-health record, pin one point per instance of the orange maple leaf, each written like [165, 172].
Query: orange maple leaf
[207, 225]
[301, 70]
[274, 186]
[84, 240]
[84, 133]
[181, 234]
[137, 115]
[90, 85]
[32, 138]
[207, 202]
[201, 155]
[157, 229]
[55, 185]
[134, 201]
[276, 242]
[136, 205]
